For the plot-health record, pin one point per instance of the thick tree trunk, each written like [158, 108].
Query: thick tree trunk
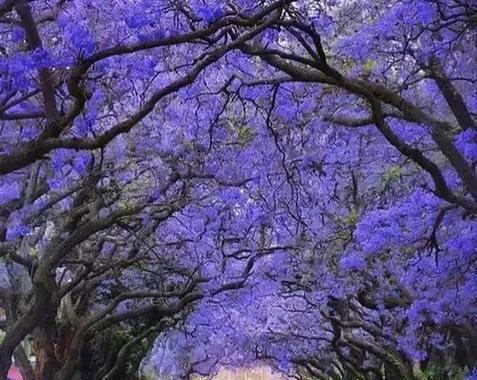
[5, 362]
[46, 359]
[71, 347]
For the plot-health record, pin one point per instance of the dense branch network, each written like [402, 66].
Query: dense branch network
[193, 184]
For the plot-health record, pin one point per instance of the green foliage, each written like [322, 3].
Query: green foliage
[148, 376]
[390, 176]
[352, 219]
[369, 66]
[443, 373]
[245, 135]
[127, 205]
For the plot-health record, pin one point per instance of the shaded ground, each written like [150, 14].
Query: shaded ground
[250, 374]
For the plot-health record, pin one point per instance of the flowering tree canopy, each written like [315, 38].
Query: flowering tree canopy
[191, 184]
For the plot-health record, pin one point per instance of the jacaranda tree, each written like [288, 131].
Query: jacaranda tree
[191, 184]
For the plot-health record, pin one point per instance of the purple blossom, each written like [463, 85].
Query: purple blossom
[471, 375]
[467, 143]
[277, 228]
[81, 162]
[16, 231]
[9, 192]
[353, 262]
[210, 13]
[18, 34]
[137, 19]
[40, 59]
[79, 36]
